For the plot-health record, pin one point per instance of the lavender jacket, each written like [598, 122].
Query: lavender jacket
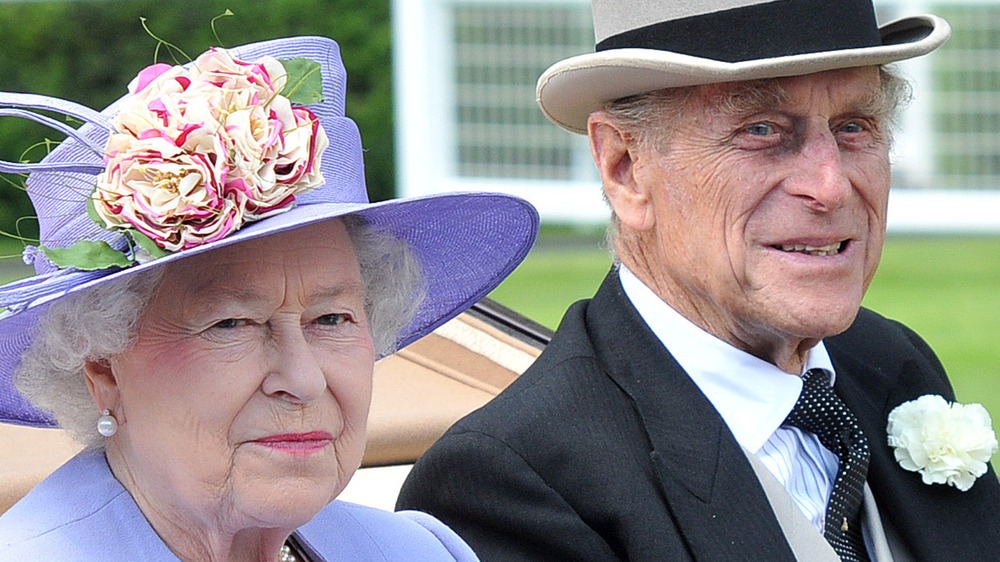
[82, 513]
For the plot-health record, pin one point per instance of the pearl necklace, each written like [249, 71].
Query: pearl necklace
[285, 554]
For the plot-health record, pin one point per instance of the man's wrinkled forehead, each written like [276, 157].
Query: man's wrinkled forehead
[755, 96]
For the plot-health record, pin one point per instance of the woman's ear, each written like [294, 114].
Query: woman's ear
[616, 154]
[102, 384]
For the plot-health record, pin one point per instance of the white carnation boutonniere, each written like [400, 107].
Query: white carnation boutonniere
[946, 442]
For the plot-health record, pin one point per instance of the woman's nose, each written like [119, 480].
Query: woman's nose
[295, 373]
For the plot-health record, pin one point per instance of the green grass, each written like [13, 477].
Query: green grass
[945, 288]
[552, 278]
[948, 290]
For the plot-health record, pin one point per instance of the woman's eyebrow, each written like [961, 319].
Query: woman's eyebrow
[252, 296]
[331, 292]
[212, 294]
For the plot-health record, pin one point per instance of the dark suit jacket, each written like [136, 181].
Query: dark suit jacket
[605, 449]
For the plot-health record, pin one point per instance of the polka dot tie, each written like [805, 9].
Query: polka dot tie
[821, 412]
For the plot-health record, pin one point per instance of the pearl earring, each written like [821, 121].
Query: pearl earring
[107, 425]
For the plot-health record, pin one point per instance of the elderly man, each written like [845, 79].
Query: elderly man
[722, 397]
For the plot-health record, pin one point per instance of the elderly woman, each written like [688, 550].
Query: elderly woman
[213, 292]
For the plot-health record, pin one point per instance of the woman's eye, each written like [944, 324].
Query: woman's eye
[760, 129]
[332, 319]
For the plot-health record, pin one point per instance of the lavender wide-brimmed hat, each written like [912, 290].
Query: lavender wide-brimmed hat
[648, 45]
[466, 243]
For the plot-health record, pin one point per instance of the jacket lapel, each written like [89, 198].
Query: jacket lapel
[872, 379]
[707, 483]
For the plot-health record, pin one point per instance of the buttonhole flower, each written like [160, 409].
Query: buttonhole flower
[946, 442]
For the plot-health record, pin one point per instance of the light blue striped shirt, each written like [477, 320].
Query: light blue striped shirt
[753, 397]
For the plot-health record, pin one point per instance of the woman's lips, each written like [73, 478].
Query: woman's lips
[297, 443]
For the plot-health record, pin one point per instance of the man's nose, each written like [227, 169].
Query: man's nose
[820, 178]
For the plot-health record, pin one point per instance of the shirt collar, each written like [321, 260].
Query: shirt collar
[753, 396]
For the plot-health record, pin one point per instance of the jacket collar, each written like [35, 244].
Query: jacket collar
[705, 477]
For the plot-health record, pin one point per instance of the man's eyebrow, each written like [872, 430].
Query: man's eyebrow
[766, 95]
[876, 104]
[749, 97]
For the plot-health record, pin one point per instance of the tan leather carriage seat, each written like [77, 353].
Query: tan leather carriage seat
[27, 455]
[418, 394]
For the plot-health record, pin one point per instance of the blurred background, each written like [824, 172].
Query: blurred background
[443, 92]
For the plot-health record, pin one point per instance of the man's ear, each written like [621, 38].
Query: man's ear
[103, 385]
[615, 154]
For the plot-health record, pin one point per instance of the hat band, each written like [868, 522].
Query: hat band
[760, 31]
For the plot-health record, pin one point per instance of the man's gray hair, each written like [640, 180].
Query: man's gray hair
[648, 119]
[102, 322]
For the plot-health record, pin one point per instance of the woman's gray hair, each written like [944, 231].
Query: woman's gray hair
[102, 322]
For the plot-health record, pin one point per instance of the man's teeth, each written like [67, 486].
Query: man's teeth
[830, 250]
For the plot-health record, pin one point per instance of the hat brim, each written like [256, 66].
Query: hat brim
[466, 244]
[571, 89]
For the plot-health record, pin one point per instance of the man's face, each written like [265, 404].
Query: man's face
[768, 212]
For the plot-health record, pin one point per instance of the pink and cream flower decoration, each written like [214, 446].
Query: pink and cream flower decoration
[197, 152]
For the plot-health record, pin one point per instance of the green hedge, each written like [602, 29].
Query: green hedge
[88, 52]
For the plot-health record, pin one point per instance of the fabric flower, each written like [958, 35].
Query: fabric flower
[178, 199]
[290, 165]
[199, 151]
[947, 443]
[265, 78]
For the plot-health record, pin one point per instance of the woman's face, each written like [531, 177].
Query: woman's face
[244, 400]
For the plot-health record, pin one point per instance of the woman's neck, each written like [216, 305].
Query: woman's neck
[198, 535]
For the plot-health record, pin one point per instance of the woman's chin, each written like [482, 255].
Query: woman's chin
[286, 485]
[287, 504]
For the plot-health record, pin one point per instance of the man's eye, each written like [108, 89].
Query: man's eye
[760, 129]
[852, 127]
[230, 323]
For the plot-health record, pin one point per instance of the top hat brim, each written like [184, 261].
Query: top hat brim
[571, 89]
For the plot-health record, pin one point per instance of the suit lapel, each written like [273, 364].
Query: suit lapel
[707, 483]
[872, 379]
[885, 548]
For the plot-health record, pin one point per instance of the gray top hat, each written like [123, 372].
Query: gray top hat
[648, 45]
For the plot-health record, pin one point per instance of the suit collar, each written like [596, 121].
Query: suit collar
[753, 404]
[705, 478]
[672, 408]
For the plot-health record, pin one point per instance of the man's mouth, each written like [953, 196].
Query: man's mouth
[828, 250]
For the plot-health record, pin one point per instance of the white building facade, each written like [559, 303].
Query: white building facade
[466, 118]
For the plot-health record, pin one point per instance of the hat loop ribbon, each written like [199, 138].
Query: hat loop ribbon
[18, 105]
[17, 296]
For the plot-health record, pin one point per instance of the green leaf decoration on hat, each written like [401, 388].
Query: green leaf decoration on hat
[92, 212]
[133, 236]
[87, 255]
[147, 244]
[304, 84]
